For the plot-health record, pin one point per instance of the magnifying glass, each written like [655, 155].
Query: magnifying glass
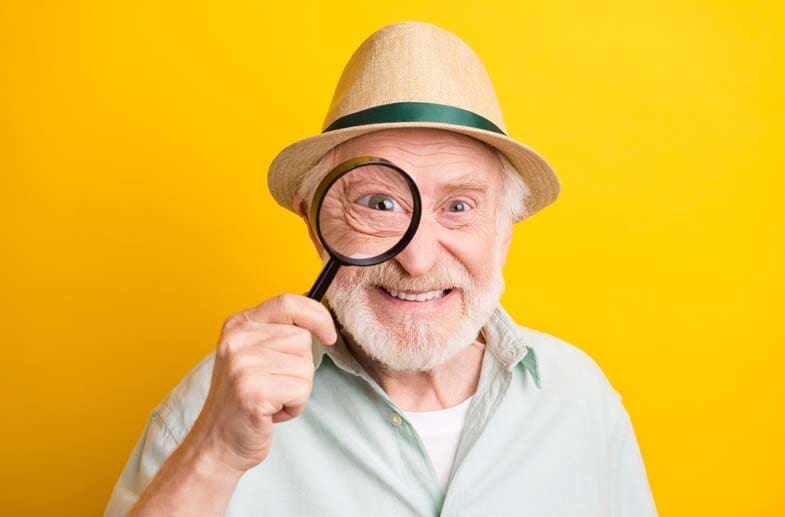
[364, 212]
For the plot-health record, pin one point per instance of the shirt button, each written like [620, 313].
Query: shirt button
[395, 419]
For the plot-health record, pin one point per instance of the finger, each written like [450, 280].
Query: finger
[271, 362]
[283, 415]
[297, 395]
[283, 392]
[284, 338]
[296, 310]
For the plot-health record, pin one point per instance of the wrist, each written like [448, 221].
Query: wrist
[191, 481]
[205, 462]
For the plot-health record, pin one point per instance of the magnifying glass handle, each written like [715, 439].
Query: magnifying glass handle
[324, 280]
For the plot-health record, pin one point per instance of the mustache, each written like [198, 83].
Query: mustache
[390, 274]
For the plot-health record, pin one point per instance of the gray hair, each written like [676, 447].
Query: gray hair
[513, 195]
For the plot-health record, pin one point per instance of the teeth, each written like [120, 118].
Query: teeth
[416, 297]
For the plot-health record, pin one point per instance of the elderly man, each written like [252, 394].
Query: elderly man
[412, 392]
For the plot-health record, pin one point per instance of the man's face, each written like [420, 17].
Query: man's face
[419, 309]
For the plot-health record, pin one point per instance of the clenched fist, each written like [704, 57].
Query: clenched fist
[263, 374]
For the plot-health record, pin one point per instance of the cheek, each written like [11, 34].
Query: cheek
[475, 250]
[347, 276]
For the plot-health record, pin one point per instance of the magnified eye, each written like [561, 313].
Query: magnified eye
[458, 206]
[380, 202]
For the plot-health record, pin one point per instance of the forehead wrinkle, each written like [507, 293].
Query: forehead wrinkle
[413, 144]
[436, 157]
[457, 160]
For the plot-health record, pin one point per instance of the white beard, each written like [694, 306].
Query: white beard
[410, 342]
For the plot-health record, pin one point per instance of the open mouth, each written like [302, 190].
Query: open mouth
[420, 296]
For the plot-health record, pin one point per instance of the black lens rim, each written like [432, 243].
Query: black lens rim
[332, 177]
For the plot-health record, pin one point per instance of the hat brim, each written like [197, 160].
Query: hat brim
[289, 167]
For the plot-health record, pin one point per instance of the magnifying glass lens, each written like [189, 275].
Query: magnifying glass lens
[366, 212]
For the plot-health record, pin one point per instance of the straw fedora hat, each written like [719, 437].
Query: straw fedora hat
[413, 74]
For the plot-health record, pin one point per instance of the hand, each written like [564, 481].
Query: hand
[263, 374]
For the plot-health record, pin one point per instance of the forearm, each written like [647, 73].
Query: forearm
[188, 483]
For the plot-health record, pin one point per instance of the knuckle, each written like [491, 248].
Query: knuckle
[298, 388]
[221, 352]
[287, 302]
[301, 390]
[234, 370]
[228, 347]
[306, 370]
[256, 412]
[245, 390]
[231, 322]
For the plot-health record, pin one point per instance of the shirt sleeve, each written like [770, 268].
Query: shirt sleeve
[632, 494]
[155, 445]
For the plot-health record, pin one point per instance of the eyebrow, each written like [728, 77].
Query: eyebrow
[465, 183]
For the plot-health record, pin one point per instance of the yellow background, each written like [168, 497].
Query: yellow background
[135, 216]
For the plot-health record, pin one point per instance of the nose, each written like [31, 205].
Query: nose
[422, 252]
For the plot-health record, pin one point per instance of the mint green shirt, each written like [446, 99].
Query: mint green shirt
[545, 435]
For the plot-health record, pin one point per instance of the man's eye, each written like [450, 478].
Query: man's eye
[380, 202]
[458, 206]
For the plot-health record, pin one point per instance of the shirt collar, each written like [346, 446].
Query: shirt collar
[508, 345]
[502, 338]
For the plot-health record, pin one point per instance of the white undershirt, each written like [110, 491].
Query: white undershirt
[440, 432]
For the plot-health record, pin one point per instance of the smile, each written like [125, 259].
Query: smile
[417, 296]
